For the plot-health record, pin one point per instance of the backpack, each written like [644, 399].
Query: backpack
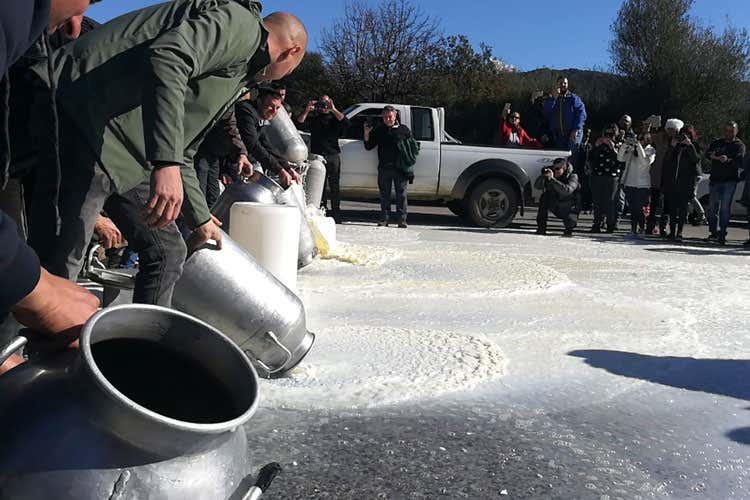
[408, 150]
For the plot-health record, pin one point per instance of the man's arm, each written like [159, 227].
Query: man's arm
[19, 265]
[565, 189]
[738, 153]
[372, 138]
[580, 109]
[195, 47]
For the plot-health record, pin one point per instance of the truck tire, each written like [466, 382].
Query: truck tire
[492, 203]
[457, 207]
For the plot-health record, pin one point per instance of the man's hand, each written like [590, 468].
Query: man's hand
[285, 178]
[295, 175]
[367, 128]
[310, 106]
[244, 167]
[723, 158]
[208, 231]
[56, 307]
[226, 180]
[165, 200]
[548, 174]
[109, 235]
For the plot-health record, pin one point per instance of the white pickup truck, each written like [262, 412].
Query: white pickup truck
[484, 185]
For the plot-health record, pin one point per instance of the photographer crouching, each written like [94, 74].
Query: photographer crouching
[559, 186]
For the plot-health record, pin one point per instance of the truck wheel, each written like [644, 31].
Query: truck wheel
[493, 202]
[457, 207]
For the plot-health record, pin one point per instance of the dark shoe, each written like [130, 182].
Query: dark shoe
[722, 239]
[746, 244]
[610, 230]
[402, 224]
[541, 232]
[382, 223]
[678, 238]
[568, 233]
[595, 230]
[711, 237]
[670, 236]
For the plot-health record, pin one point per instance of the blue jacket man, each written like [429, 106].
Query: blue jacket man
[566, 115]
[44, 303]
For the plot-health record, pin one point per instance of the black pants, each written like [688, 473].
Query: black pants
[658, 210]
[333, 182]
[604, 191]
[388, 177]
[637, 200]
[207, 169]
[549, 203]
[677, 206]
[161, 253]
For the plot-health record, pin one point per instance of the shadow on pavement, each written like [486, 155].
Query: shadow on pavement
[741, 436]
[725, 377]
[729, 251]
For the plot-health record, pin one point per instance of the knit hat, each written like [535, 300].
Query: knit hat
[674, 124]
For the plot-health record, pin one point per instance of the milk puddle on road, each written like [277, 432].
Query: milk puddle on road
[366, 367]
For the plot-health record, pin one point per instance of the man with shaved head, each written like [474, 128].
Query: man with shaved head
[137, 97]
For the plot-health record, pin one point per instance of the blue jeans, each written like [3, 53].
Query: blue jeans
[720, 207]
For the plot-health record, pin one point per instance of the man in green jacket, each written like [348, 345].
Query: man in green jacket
[136, 98]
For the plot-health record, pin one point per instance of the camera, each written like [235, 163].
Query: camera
[321, 106]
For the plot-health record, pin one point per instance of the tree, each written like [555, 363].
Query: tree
[676, 67]
[380, 53]
[308, 81]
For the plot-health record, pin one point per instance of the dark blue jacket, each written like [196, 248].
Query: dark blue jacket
[573, 114]
[21, 23]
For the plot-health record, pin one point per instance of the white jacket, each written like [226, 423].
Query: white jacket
[637, 172]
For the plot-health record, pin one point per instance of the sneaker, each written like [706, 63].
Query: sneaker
[402, 224]
[382, 223]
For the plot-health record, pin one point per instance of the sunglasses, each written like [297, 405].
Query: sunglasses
[515, 117]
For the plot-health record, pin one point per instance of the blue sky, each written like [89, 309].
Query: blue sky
[530, 34]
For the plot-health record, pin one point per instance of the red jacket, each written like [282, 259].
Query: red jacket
[524, 140]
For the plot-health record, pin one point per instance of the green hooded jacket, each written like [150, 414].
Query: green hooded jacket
[146, 87]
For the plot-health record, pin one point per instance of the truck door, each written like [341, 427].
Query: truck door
[427, 169]
[359, 167]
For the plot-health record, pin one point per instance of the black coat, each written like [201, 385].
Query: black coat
[21, 23]
[258, 147]
[680, 171]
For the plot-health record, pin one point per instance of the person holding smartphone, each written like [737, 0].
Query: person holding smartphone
[326, 126]
[386, 137]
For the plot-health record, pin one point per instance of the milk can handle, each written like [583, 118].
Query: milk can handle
[287, 353]
[15, 344]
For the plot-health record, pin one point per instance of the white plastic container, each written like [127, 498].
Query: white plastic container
[270, 233]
